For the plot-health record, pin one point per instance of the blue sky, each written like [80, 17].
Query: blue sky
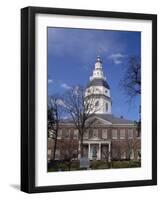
[72, 54]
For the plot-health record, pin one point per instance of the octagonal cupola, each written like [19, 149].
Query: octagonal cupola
[99, 88]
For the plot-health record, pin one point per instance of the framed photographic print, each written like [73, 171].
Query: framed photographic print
[88, 99]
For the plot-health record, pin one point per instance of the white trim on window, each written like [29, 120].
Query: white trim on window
[122, 133]
[130, 134]
[114, 134]
[104, 133]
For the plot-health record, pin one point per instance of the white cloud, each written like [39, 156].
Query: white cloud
[65, 86]
[117, 58]
[50, 81]
[117, 55]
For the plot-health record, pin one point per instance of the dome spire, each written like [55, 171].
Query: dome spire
[98, 64]
[98, 55]
[98, 59]
[98, 71]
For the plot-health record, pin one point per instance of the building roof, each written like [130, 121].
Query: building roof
[98, 82]
[107, 117]
[113, 119]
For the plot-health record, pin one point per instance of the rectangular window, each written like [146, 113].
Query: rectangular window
[123, 155]
[59, 133]
[75, 154]
[49, 152]
[75, 135]
[86, 134]
[122, 133]
[57, 153]
[104, 133]
[138, 133]
[132, 154]
[114, 134]
[130, 133]
[95, 132]
[67, 134]
[51, 134]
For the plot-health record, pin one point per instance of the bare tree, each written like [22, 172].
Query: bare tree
[54, 114]
[81, 108]
[116, 154]
[106, 154]
[68, 151]
[131, 82]
[139, 123]
[130, 147]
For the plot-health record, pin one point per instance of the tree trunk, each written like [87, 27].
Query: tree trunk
[81, 146]
[55, 145]
[69, 165]
[129, 163]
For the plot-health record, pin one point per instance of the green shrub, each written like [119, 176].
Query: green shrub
[75, 166]
[99, 164]
[120, 164]
[125, 164]
[95, 164]
[63, 167]
[135, 164]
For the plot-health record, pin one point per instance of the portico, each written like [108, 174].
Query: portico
[96, 150]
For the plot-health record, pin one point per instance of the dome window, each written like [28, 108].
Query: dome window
[106, 106]
[97, 103]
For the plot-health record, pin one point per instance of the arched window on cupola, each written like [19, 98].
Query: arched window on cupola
[97, 103]
[106, 106]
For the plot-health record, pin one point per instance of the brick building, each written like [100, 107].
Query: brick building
[109, 137]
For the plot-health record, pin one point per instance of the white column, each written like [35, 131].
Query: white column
[89, 151]
[99, 152]
[109, 150]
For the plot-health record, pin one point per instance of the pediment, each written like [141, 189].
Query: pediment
[98, 122]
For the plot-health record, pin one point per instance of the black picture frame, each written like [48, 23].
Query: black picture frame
[28, 98]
